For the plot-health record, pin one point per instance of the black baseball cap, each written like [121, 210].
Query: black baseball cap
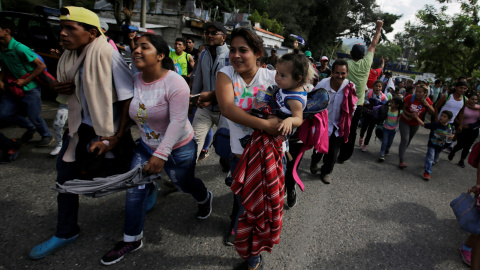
[217, 25]
[358, 51]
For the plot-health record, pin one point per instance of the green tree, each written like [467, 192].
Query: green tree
[344, 49]
[255, 17]
[389, 50]
[266, 22]
[450, 45]
[322, 23]
[277, 27]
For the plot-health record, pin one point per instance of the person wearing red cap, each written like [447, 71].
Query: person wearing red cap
[323, 70]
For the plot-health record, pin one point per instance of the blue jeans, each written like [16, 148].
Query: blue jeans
[11, 106]
[387, 140]
[432, 155]
[180, 167]
[6, 143]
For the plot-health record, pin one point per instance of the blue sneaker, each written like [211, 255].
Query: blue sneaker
[152, 198]
[51, 245]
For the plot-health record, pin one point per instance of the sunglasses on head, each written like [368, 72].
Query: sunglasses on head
[213, 33]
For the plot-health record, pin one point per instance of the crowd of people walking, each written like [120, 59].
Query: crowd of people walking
[177, 96]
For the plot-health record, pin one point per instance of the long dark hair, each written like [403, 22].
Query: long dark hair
[162, 47]
[254, 41]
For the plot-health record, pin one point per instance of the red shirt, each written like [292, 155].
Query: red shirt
[374, 74]
[414, 107]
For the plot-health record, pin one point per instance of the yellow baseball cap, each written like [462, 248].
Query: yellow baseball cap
[80, 14]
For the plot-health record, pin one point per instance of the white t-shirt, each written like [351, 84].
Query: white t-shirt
[244, 99]
[335, 103]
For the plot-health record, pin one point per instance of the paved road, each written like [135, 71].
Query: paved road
[372, 216]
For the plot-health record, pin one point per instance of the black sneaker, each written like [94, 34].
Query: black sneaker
[461, 163]
[11, 155]
[45, 141]
[229, 237]
[229, 179]
[292, 197]
[225, 165]
[451, 155]
[244, 265]
[28, 135]
[205, 209]
[387, 151]
[203, 155]
[313, 168]
[119, 251]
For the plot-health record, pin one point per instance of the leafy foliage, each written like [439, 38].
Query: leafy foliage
[322, 23]
[448, 46]
[389, 50]
[266, 23]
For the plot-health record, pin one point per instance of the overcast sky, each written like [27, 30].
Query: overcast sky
[409, 8]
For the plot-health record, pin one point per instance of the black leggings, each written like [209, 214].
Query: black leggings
[369, 123]
[465, 140]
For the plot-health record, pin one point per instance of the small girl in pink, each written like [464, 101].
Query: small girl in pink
[159, 108]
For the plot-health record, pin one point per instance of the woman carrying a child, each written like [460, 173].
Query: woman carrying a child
[236, 90]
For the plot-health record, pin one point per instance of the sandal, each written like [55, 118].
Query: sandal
[49, 246]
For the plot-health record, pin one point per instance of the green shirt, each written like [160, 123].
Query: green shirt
[358, 73]
[18, 59]
[180, 62]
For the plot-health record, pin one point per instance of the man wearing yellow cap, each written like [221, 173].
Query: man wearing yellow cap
[99, 87]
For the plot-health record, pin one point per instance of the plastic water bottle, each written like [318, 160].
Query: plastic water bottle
[262, 97]
[449, 133]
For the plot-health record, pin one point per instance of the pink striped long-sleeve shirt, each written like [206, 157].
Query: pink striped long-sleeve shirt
[160, 110]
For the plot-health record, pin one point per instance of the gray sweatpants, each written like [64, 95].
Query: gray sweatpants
[406, 135]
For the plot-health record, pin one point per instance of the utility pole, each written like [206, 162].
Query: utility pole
[143, 14]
